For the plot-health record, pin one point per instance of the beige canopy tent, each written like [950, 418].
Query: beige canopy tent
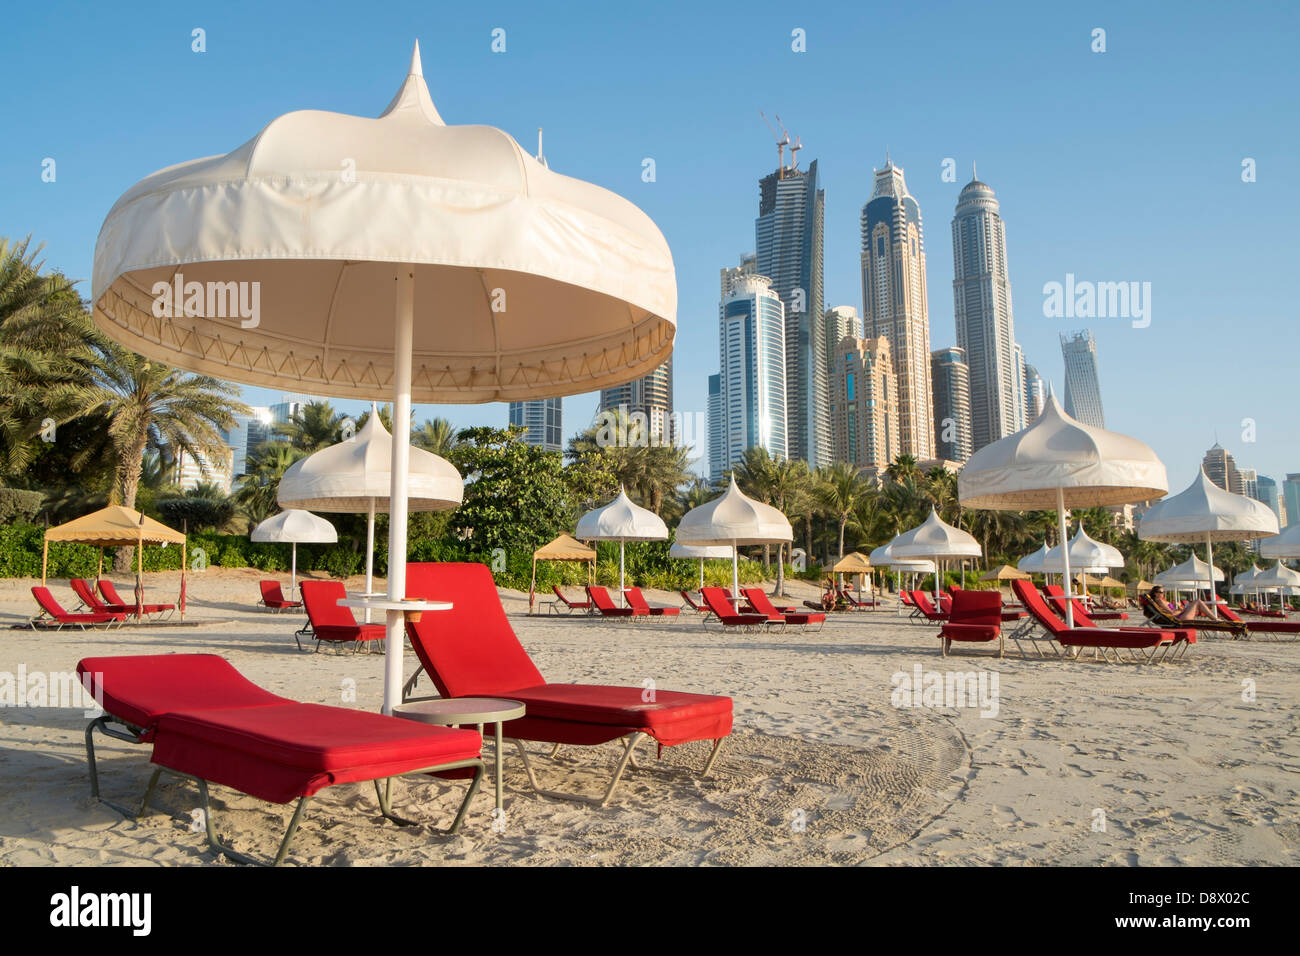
[1005, 573]
[563, 548]
[857, 564]
[115, 527]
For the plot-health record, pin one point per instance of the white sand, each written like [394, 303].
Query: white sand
[1184, 770]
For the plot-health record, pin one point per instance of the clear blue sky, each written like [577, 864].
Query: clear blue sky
[1115, 166]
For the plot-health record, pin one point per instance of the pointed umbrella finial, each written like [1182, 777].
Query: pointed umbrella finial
[417, 68]
[973, 174]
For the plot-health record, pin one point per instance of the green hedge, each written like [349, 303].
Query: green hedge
[18, 505]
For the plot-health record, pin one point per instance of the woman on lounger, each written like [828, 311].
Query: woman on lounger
[1195, 608]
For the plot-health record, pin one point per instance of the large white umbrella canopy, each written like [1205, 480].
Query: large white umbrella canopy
[291, 261]
[1204, 512]
[1033, 563]
[1278, 576]
[1244, 583]
[294, 527]
[621, 520]
[1192, 572]
[1086, 555]
[734, 519]
[356, 475]
[1285, 545]
[884, 556]
[934, 538]
[700, 552]
[1061, 463]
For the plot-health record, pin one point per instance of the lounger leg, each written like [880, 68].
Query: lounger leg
[148, 791]
[385, 801]
[238, 857]
[713, 756]
[555, 750]
[628, 750]
[410, 684]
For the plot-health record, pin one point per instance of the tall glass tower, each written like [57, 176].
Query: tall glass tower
[894, 303]
[985, 328]
[650, 395]
[789, 233]
[751, 376]
[543, 421]
[1082, 380]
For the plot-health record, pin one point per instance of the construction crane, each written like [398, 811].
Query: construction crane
[782, 142]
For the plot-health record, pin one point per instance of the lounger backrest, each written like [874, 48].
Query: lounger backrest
[716, 599]
[1037, 608]
[1229, 613]
[758, 600]
[636, 599]
[271, 593]
[470, 650]
[560, 594]
[81, 588]
[321, 601]
[141, 688]
[1053, 590]
[46, 600]
[922, 601]
[906, 598]
[600, 597]
[690, 600]
[976, 607]
[111, 596]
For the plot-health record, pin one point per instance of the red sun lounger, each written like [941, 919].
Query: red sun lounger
[724, 612]
[471, 651]
[1184, 637]
[761, 604]
[583, 606]
[1260, 627]
[976, 618]
[691, 603]
[52, 613]
[637, 600]
[328, 621]
[606, 607]
[925, 607]
[208, 723]
[1056, 596]
[1144, 645]
[116, 604]
[273, 597]
[1159, 617]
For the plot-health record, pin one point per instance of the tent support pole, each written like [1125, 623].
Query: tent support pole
[370, 550]
[45, 560]
[395, 620]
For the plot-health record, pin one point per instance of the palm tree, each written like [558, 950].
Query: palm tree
[257, 488]
[789, 482]
[313, 427]
[839, 488]
[436, 435]
[44, 331]
[903, 467]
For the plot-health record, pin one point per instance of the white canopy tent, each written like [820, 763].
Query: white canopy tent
[294, 527]
[289, 262]
[1192, 574]
[621, 520]
[1204, 512]
[733, 519]
[1285, 545]
[1061, 463]
[356, 475]
[935, 539]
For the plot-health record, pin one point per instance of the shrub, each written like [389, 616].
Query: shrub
[18, 506]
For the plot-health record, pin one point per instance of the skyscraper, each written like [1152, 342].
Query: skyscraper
[789, 237]
[863, 390]
[1035, 394]
[1266, 491]
[894, 301]
[1291, 498]
[985, 327]
[651, 396]
[751, 373]
[952, 404]
[543, 421]
[842, 322]
[1082, 380]
[717, 465]
[1221, 468]
[1250, 483]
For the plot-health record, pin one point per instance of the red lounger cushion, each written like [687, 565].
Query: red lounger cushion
[970, 632]
[140, 689]
[357, 632]
[282, 751]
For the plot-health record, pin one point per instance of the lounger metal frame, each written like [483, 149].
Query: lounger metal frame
[131, 734]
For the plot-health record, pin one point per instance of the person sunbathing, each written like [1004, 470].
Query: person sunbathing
[1193, 609]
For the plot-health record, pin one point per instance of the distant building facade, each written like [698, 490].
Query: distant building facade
[1082, 379]
[752, 373]
[863, 403]
[650, 396]
[1221, 468]
[542, 421]
[950, 377]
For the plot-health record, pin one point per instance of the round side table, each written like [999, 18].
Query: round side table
[459, 711]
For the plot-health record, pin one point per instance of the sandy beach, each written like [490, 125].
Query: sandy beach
[1071, 763]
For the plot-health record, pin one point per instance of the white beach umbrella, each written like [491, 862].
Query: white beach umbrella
[883, 556]
[396, 257]
[1061, 463]
[734, 519]
[1204, 512]
[621, 520]
[1191, 573]
[1285, 545]
[356, 475]
[700, 552]
[1087, 556]
[1033, 563]
[1278, 576]
[294, 527]
[1244, 583]
[935, 539]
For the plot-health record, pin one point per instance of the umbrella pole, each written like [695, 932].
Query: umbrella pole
[395, 619]
[701, 574]
[293, 566]
[532, 586]
[1209, 559]
[1065, 557]
[370, 552]
[735, 572]
[45, 560]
